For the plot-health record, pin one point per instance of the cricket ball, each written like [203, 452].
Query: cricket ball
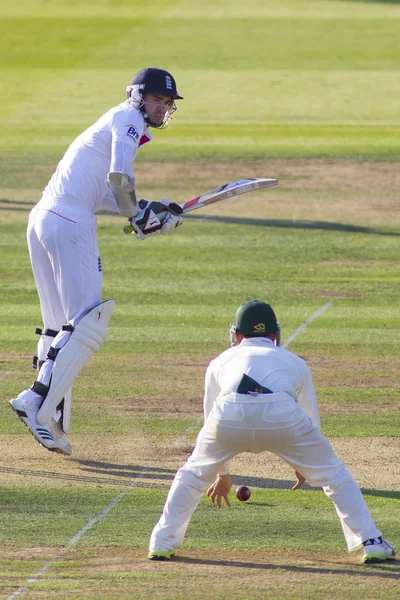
[243, 493]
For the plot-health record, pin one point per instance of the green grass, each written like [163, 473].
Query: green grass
[271, 520]
[292, 79]
[306, 271]
[287, 79]
[366, 325]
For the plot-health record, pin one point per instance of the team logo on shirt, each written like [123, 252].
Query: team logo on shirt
[132, 133]
[259, 328]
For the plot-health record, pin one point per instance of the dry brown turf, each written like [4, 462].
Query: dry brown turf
[325, 190]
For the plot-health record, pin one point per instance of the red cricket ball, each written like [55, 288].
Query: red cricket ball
[243, 493]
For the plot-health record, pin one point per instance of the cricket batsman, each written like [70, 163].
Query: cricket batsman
[95, 173]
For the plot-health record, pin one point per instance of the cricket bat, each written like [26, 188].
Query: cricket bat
[229, 190]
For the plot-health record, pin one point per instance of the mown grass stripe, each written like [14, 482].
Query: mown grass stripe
[121, 495]
[76, 538]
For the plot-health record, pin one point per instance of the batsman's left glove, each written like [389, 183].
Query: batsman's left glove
[155, 217]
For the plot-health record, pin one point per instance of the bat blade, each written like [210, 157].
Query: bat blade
[229, 190]
[235, 188]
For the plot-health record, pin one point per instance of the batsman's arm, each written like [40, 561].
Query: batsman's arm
[120, 178]
[123, 188]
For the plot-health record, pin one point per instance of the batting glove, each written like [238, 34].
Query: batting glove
[155, 217]
[173, 218]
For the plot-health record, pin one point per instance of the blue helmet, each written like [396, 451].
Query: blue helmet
[152, 81]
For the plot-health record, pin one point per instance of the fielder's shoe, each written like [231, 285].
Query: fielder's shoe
[377, 550]
[26, 406]
[160, 554]
[64, 447]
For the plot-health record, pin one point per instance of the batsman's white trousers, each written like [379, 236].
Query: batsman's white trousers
[275, 423]
[66, 265]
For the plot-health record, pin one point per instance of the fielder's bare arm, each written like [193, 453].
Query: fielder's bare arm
[95, 173]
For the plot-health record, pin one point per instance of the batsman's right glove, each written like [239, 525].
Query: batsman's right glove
[155, 217]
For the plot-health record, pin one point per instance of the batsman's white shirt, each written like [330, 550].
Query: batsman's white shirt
[80, 181]
[285, 422]
[61, 232]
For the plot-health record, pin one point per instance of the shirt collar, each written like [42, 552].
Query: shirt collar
[257, 341]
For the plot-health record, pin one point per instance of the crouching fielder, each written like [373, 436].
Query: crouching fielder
[260, 397]
[95, 173]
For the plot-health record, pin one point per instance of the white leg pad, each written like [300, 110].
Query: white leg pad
[66, 413]
[86, 339]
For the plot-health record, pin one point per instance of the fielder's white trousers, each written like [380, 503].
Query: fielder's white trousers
[277, 425]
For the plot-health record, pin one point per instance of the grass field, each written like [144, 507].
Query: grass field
[304, 91]
[290, 78]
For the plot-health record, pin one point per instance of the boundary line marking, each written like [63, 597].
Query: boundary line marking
[121, 495]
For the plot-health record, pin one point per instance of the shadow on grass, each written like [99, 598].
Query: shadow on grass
[294, 224]
[286, 484]
[128, 471]
[149, 477]
[124, 476]
[271, 223]
[364, 571]
[16, 205]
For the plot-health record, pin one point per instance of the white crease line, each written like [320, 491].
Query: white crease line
[76, 538]
[184, 434]
[114, 502]
[304, 325]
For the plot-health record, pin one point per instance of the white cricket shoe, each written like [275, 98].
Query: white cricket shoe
[64, 447]
[26, 406]
[377, 550]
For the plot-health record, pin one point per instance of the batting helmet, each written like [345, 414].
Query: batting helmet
[152, 81]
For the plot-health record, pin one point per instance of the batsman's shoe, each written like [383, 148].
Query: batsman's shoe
[26, 406]
[160, 554]
[377, 550]
[64, 447]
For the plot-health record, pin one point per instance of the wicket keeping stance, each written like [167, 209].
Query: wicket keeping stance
[260, 397]
[95, 173]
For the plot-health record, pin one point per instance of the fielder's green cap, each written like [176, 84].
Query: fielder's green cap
[255, 319]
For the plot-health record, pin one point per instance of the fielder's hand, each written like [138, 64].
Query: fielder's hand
[155, 217]
[220, 489]
[300, 481]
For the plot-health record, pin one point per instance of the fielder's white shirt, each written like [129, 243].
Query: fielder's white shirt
[273, 367]
[79, 184]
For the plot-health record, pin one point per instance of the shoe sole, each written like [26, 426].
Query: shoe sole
[373, 559]
[65, 447]
[160, 557]
[21, 414]
[60, 450]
